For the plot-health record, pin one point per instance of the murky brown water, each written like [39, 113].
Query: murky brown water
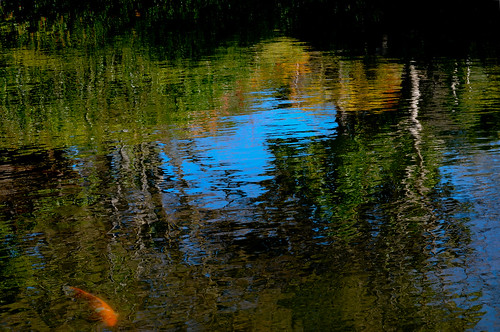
[268, 187]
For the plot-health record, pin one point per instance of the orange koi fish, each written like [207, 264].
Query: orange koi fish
[107, 315]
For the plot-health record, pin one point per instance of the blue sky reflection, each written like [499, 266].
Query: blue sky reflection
[237, 160]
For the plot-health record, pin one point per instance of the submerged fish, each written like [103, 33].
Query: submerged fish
[106, 314]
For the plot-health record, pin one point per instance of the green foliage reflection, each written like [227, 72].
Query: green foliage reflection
[356, 223]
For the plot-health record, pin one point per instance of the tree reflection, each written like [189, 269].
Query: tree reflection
[273, 187]
[375, 197]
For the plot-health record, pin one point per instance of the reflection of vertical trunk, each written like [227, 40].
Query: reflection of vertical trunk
[133, 188]
[176, 161]
[415, 128]
[416, 172]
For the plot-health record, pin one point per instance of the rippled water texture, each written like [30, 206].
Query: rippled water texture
[262, 187]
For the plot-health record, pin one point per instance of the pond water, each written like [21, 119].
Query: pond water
[266, 186]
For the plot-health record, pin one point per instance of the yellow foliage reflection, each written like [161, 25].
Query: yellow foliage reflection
[376, 89]
[312, 78]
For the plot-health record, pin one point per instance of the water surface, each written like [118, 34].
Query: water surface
[268, 186]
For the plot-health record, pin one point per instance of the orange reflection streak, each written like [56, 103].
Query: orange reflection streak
[106, 313]
[379, 91]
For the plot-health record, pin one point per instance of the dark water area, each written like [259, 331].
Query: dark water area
[250, 179]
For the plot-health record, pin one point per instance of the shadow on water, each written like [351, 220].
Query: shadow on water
[258, 185]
